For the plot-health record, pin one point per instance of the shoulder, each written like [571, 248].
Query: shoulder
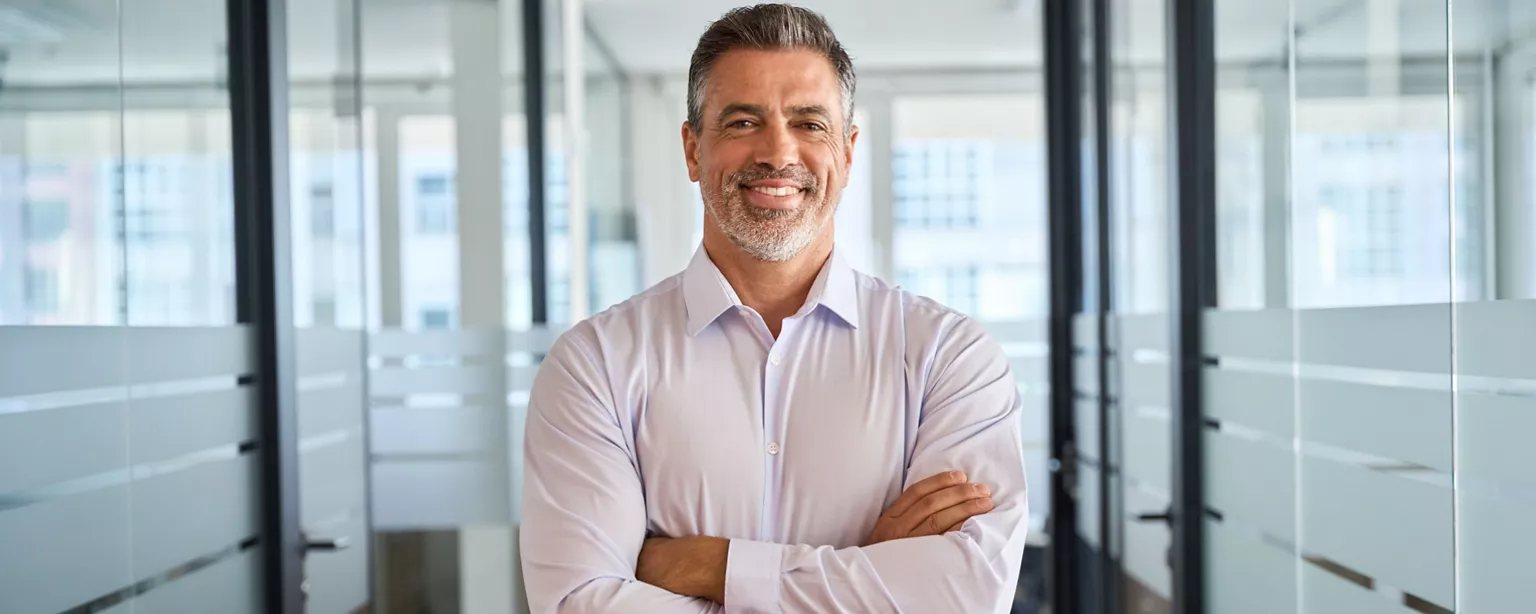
[627, 323]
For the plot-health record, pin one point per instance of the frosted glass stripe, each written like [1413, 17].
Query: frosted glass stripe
[1146, 543]
[326, 350]
[1496, 438]
[1147, 455]
[1260, 334]
[396, 343]
[1018, 331]
[1088, 504]
[45, 447]
[1255, 400]
[1085, 330]
[1400, 338]
[1367, 520]
[1145, 385]
[1251, 483]
[1402, 424]
[1497, 339]
[1498, 554]
[1324, 591]
[440, 494]
[401, 381]
[1248, 576]
[330, 482]
[331, 408]
[65, 552]
[1143, 332]
[1086, 374]
[229, 586]
[41, 359]
[520, 377]
[183, 515]
[538, 339]
[1030, 370]
[437, 430]
[1086, 418]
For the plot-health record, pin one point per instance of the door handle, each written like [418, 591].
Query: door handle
[332, 544]
[1165, 516]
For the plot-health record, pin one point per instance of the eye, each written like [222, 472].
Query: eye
[740, 123]
[814, 127]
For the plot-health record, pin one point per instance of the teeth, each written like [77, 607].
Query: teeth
[785, 191]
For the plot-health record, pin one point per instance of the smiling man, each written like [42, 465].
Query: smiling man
[770, 430]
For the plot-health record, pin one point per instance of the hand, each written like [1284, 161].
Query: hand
[688, 566]
[934, 506]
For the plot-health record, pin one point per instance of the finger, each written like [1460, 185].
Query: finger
[923, 488]
[933, 503]
[955, 516]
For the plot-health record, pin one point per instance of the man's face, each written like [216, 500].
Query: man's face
[772, 151]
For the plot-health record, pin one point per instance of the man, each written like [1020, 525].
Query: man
[771, 431]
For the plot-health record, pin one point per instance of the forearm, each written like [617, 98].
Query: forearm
[605, 595]
[948, 573]
[944, 573]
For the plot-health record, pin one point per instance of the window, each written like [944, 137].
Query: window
[436, 318]
[937, 183]
[149, 224]
[46, 220]
[322, 211]
[956, 287]
[434, 205]
[42, 291]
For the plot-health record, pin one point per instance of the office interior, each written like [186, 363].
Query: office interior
[275, 277]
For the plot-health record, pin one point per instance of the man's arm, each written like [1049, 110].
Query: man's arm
[970, 423]
[584, 511]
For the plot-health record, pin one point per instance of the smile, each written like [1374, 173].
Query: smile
[783, 191]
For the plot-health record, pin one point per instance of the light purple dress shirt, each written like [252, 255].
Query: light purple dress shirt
[677, 413]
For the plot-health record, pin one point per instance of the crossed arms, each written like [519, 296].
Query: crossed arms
[946, 545]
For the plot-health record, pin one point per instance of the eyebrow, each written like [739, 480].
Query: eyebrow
[756, 110]
[741, 107]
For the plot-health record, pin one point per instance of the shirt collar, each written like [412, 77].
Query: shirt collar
[706, 293]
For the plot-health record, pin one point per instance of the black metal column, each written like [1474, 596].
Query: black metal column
[258, 91]
[533, 114]
[1063, 104]
[1109, 462]
[1192, 158]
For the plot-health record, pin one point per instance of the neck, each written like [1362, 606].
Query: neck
[775, 290]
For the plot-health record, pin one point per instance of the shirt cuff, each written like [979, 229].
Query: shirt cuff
[752, 577]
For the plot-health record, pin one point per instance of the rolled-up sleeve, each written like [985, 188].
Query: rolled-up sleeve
[970, 422]
[584, 512]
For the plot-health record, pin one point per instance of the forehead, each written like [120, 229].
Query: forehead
[796, 76]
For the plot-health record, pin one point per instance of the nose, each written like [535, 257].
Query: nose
[778, 147]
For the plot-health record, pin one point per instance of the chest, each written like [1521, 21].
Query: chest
[803, 439]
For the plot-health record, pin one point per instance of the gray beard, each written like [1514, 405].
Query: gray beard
[769, 235]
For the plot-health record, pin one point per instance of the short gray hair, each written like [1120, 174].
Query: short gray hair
[771, 27]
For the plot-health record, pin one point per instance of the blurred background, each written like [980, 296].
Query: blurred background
[458, 181]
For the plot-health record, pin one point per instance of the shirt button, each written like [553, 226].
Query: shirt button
[773, 447]
[775, 359]
[741, 312]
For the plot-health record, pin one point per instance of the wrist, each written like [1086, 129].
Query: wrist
[706, 569]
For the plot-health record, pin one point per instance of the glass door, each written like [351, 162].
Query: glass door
[1137, 344]
[326, 205]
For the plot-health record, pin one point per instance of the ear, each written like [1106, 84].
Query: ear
[853, 139]
[691, 152]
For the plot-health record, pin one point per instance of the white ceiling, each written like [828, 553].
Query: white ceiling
[67, 42]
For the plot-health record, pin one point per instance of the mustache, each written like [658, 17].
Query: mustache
[760, 172]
